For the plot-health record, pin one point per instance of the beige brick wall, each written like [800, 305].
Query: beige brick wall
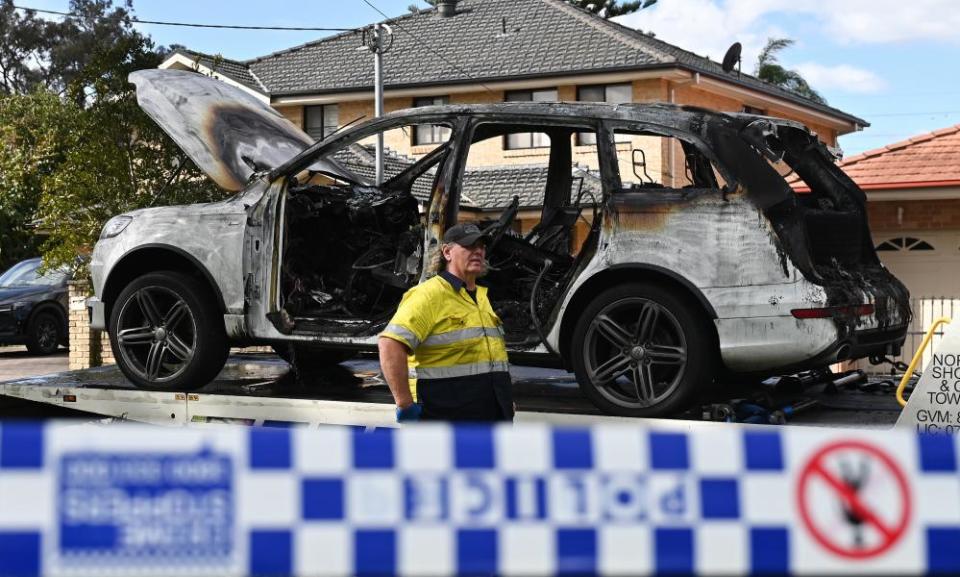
[88, 348]
[917, 215]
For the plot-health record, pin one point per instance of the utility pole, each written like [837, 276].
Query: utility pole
[379, 47]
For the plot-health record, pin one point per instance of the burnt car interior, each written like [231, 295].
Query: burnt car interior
[350, 248]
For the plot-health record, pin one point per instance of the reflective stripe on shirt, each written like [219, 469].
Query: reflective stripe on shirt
[462, 370]
[404, 334]
[461, 335]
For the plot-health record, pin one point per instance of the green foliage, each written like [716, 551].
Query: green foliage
[79, 150]
[24, 39]
[604, 8]
[610, 8]
[35, 130]
[769, 70]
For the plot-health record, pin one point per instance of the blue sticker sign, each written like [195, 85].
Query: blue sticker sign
[165, 507]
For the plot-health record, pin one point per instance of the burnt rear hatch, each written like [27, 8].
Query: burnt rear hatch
[821, 225]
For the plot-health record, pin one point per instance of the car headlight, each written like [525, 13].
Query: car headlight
[6, 308]
[115, 226]
[14, 307]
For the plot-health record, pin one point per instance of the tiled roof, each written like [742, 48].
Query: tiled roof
[486, 188]
[487, 40]
[232, 69]
[928, 160]
[495, 187]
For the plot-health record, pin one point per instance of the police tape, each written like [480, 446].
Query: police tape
[437, 500]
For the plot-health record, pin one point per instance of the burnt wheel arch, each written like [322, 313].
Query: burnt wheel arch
[621, 274]
[154, 258]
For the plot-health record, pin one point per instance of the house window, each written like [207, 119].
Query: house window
[321, 121]
[529, 139]
[753, 110]
[904, 243]
[610, 93]
[430, 133]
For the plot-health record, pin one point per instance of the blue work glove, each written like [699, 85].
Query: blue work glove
[410, 414]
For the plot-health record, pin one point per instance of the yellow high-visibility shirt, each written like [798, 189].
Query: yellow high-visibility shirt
[448, 333]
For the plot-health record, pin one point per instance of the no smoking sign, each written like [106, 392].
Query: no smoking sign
[854, 499]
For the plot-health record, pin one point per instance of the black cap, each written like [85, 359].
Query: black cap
[464, 234]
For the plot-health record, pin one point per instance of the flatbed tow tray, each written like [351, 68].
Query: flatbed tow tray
[261, 389]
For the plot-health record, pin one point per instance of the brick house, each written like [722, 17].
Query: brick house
[479, 51]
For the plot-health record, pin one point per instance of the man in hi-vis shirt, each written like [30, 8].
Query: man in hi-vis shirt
[447, 323]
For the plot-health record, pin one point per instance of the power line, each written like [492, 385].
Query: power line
[423, 43]
[194, 25]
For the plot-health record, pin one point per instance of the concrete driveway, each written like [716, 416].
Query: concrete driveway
[17, 363]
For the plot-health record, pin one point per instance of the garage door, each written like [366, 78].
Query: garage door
[928, 263]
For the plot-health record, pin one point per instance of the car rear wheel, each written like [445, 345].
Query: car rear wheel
[640, 350]
[167, 333]
[44, 333]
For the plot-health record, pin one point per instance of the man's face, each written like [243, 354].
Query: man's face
[466, 259]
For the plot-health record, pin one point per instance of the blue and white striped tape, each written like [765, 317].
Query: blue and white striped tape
[434, 500]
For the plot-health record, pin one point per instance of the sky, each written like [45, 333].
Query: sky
[895, 64]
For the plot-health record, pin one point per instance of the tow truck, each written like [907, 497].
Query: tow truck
[260, 389]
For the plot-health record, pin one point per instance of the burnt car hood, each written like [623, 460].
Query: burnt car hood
[227, 132]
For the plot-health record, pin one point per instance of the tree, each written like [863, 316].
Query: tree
[604, 8]
[24, 42]
[612, 8]
[769, 70]
[78, 150]
[35, 131]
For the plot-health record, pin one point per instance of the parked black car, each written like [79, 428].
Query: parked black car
[33, 307]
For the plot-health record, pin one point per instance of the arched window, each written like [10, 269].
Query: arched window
[904, 243]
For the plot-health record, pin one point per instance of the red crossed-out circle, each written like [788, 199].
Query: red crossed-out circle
[816, 469]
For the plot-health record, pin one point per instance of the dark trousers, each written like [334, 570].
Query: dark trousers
[487, 397]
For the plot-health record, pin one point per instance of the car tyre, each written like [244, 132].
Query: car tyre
[311, 358]
[642, 350]
[167, 332]
[44, 333]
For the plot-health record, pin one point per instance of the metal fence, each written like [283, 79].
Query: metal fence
[925, 311]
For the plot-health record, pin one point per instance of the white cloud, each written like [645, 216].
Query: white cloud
[842, 78]
[883, 21]
[708, 27]
[704, 27]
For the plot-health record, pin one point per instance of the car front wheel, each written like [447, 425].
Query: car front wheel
[167, 333]
[640, 350]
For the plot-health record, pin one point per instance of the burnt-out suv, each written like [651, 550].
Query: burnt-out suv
[657, 246]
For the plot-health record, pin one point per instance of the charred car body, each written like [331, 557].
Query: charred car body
[726, 269]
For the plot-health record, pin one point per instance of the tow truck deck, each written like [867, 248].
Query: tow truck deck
[261, 389]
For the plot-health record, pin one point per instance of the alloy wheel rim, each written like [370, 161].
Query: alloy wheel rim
[156, 334]
[635, 353]
[47, 334]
